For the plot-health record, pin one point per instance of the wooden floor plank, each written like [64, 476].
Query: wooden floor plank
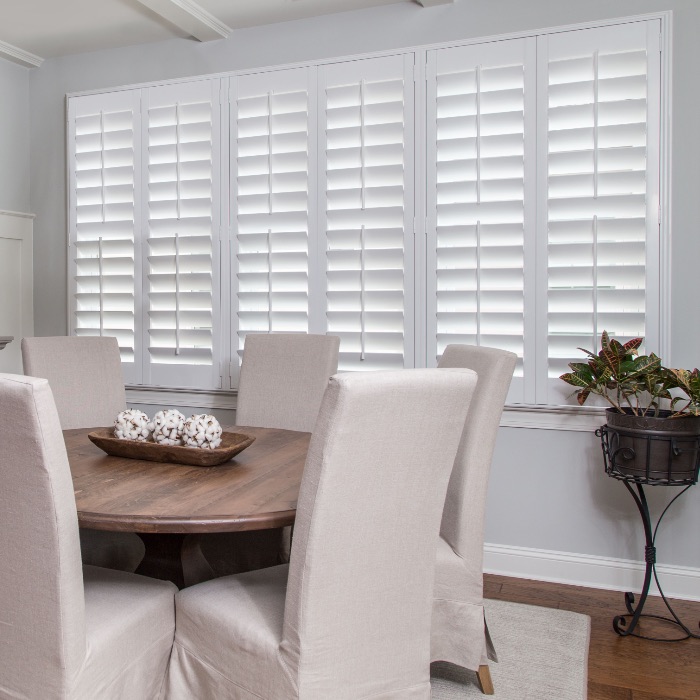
[619, 668]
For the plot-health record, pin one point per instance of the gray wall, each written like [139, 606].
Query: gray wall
[547, 490]
[14, 137]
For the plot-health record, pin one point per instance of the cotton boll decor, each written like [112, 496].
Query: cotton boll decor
[168, 426]
[132, 425]
[202, 431]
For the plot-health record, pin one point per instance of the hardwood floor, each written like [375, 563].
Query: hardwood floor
[619, 668]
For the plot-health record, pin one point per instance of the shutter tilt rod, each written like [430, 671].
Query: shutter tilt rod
[102, 163]
[101, 283]
[595, 280]
[362, 144]
[177, 159]
[177, 294]
[269, 153]
[478, 281]
[478, 134]
[269, 281]
[362, 293]
[595, 124]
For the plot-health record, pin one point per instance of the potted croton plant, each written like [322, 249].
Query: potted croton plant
[652, 433]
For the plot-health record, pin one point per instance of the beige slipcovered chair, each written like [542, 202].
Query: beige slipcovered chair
[282, 380]
[65, 633]
[459, 633]
[349, 617]
[283, 377]
[85, 375]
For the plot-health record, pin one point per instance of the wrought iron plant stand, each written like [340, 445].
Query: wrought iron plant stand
[649, 458]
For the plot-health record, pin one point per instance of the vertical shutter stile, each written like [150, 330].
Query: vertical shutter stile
[271, 159]
[366, 150]
[602, 225]
[104, 177]
[182, 242]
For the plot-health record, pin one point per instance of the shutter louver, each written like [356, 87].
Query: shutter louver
[599, 210]
[271, 157]
[104, 151]
[477, 130]
[368, 161]
[182, 282]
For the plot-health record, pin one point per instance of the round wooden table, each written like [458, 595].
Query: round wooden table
[164, 503]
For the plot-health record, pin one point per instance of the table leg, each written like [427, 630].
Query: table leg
[163, 558]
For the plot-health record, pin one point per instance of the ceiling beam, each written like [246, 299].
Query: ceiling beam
[190, 17]
[432, 3]
[17, 55]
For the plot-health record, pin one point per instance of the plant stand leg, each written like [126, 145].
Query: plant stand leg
[621, 624]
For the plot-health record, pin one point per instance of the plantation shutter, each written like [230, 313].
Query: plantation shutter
[480, 198]
[271, 185]
[366, 110]
[181, 249]
[599, 114]
[104, 180]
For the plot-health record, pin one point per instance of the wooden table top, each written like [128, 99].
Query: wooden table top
[256, 490]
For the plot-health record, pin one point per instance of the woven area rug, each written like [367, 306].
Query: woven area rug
[542, 655]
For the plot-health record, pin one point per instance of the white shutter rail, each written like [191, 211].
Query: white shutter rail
[104, 176]
[271, 188]
[366, 211]
[480, 198]
[181, 249]
[600, 107]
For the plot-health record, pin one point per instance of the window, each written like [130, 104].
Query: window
[291, 205]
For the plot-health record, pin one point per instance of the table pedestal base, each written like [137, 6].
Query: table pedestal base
[174, 557]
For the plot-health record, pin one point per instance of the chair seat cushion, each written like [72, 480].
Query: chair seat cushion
[231, 628]
[130, 625]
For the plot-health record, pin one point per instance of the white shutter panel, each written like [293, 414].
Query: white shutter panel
[600, 105]
[104, 174]
[182, 245]
[480, 197]
[366, 110]
[271, 157]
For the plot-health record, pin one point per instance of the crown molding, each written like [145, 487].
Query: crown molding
[433, 3]
[190, 17]
[17, 55]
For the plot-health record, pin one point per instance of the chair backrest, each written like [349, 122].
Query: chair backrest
[42, 609]
[85, 375]
[358, 607]
[465, 505]
[283, 377]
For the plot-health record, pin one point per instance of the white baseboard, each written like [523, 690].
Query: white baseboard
[587, 570]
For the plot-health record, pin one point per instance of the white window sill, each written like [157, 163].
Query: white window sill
[574, 418]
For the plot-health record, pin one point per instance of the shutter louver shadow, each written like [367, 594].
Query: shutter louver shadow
[366, 152]
[272, 160]
[476, 199]
[598, 206]
[103, 221]
[182, 229]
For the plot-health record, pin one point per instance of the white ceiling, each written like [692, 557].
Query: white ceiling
[49, 28]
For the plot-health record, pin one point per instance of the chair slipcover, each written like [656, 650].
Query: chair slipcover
[459, 632]
[349, 617]
[107, 635]
[85, 376]
[283, 377]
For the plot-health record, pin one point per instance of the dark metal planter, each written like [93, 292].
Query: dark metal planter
[652, 450]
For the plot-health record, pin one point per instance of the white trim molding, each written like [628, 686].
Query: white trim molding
[433, 3]
[190, 17]
[17, 55]
[194, 398]
[588, 570]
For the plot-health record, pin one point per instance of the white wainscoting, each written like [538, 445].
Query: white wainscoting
[588, 570]
[16, 285]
